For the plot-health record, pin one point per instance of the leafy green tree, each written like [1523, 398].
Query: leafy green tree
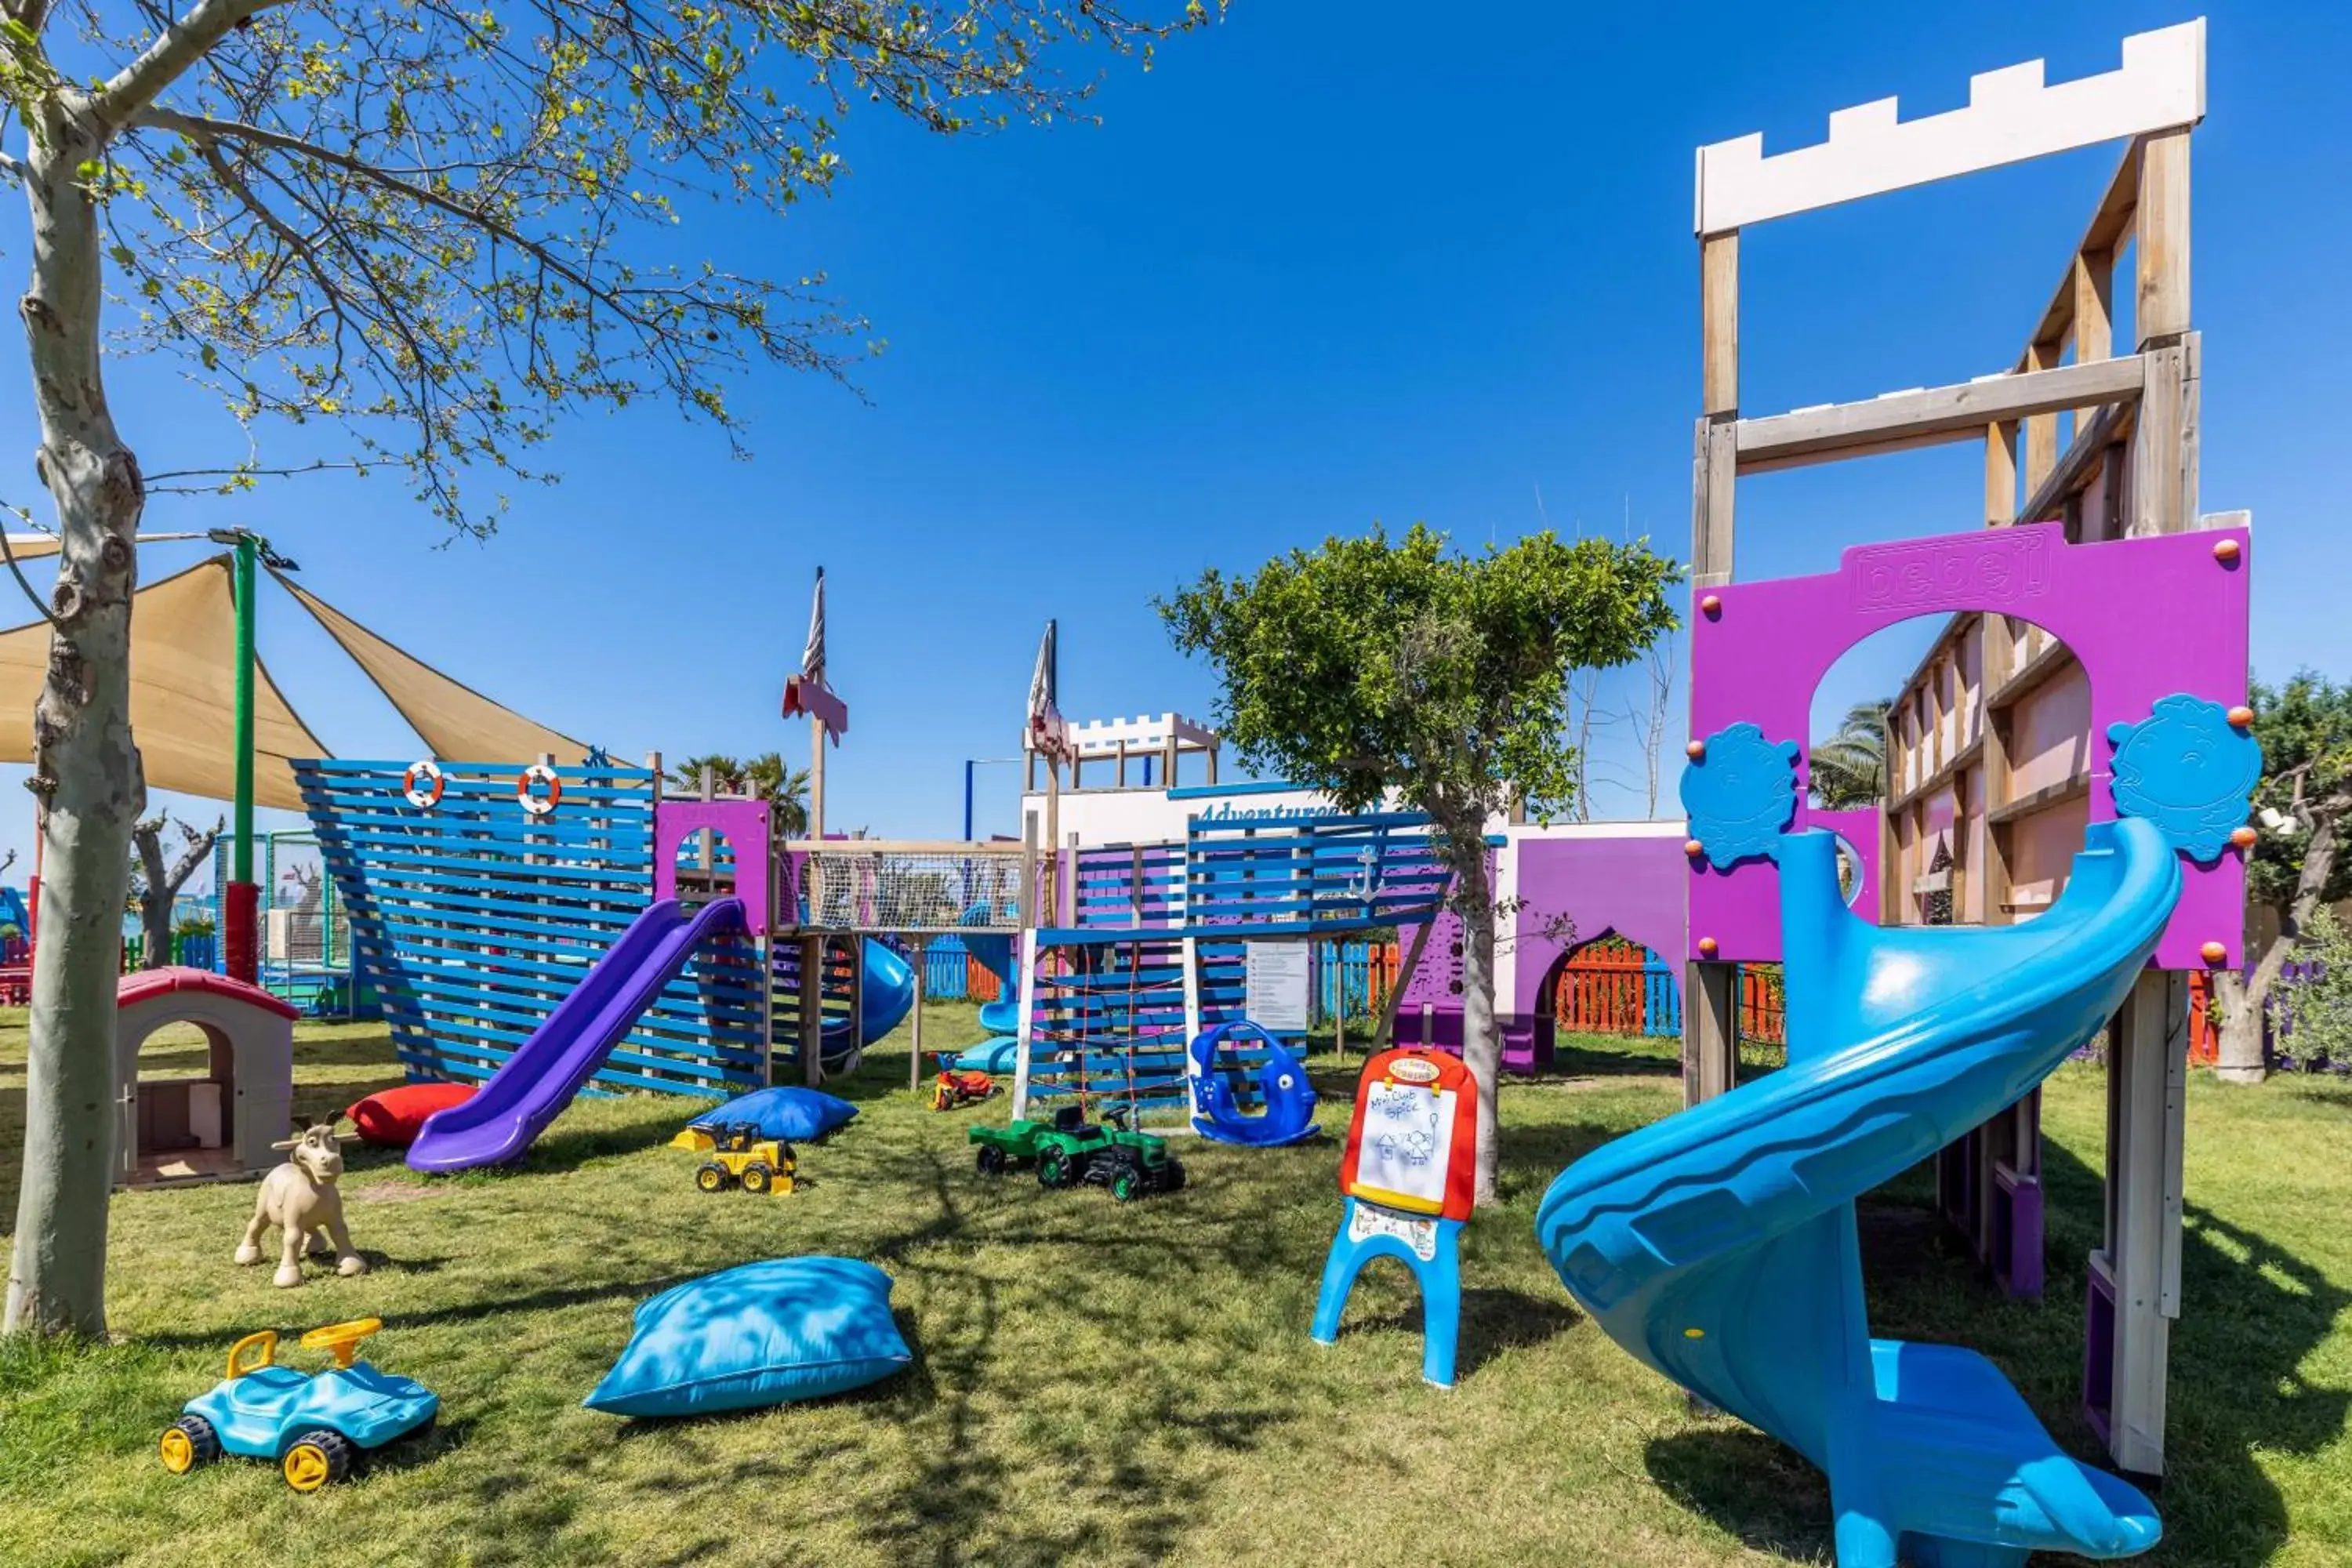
[2298, 867]
[1847, 769]
[1375, 665]
[436, 227]
[2317, 1011]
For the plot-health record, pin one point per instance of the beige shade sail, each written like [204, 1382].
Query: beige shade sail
[183, 693]
[456, 721]
[33, 546]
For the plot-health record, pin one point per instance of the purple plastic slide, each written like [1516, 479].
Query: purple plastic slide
[539, 1080]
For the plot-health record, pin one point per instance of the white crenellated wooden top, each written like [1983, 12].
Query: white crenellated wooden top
[2011, 116]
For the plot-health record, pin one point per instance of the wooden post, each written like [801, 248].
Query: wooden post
[2093, 289]
[817, 777]
[2040, 429]
[1339, 995]
[2000, 474]
[915, 1018]
[1028, 892]
[2148, 1056]
[2161, 312]
[1405, 972]
[2147, 1070]
[812, 1001]
[1718, 266]
[1710, 1030]
[704, 842]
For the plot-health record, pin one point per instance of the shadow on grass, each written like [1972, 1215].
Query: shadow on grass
[2252, 1314]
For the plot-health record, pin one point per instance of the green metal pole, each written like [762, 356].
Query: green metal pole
[248, 554]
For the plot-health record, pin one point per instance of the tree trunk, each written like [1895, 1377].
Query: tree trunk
[1482, 1040]
[86, 775]
[2242, 1058]
[155, 895]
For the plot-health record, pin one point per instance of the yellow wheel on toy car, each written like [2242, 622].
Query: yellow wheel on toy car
[756, 1177]
[316, 1460]
[711, 1178]
[186, 1443]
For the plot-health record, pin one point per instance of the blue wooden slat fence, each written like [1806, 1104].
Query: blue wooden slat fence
[471, 921]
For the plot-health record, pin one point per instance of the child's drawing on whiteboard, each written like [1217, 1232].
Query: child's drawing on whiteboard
[1406, 1161]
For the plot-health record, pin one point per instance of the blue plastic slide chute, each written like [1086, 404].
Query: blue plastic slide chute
[1282, 1086]
[1718, 1245]
[1001, 1018]
[531, 1087]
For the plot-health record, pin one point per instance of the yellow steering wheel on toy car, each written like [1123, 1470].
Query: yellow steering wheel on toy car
[342, 1339]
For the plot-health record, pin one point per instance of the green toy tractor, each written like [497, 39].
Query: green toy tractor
[1070, 1151]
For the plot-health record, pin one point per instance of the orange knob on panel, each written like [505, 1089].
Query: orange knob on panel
[1694, 848]
[2212, 953]
[1711, 607]
[2243, 838]
[1695, 750]
[2225, 551]
[2242, 717]
[1706, 946]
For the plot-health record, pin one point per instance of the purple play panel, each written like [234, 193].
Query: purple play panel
[742, 823]
[2147, 617]
[1628, 885]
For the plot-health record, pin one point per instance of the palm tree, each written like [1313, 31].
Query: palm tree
[784, 789]
[1849, 768]
[765, 777]
[725, 774]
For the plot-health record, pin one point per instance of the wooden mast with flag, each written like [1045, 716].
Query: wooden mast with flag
[810, 693]
[1048, 735]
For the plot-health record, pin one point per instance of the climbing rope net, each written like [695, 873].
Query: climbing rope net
[848, 887]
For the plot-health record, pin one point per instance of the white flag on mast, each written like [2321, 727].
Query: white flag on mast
[813, 656]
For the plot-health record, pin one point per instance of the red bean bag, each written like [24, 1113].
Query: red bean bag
[390, 1118]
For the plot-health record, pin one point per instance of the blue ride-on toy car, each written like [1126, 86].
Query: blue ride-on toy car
[311, 1425]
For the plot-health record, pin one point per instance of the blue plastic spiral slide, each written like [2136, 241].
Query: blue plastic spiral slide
[1718, 1245]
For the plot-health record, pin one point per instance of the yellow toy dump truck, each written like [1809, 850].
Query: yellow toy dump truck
[739, 1157]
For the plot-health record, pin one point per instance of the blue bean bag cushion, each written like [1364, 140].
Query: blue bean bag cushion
[765, 1334]
[793, 1114]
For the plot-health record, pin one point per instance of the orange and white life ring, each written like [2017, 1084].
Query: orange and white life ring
[422, 784]
[531, 801]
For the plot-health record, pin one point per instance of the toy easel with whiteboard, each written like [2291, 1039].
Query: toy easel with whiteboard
[1408, 1173]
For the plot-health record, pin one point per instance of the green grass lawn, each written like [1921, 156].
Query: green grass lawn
[1111, 1385]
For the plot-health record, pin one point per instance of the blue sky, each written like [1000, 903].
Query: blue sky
[1307, 276]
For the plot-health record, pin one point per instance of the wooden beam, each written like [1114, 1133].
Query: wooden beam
[1935, 414]
[2082, 462]
[2162, 312]
[2041, 799]
[2001, 473]
[1719, 268]
[1945, 773]
[2021, 679]
[2110, 222]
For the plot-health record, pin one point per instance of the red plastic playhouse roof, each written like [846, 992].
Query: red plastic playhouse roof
[150, 983]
